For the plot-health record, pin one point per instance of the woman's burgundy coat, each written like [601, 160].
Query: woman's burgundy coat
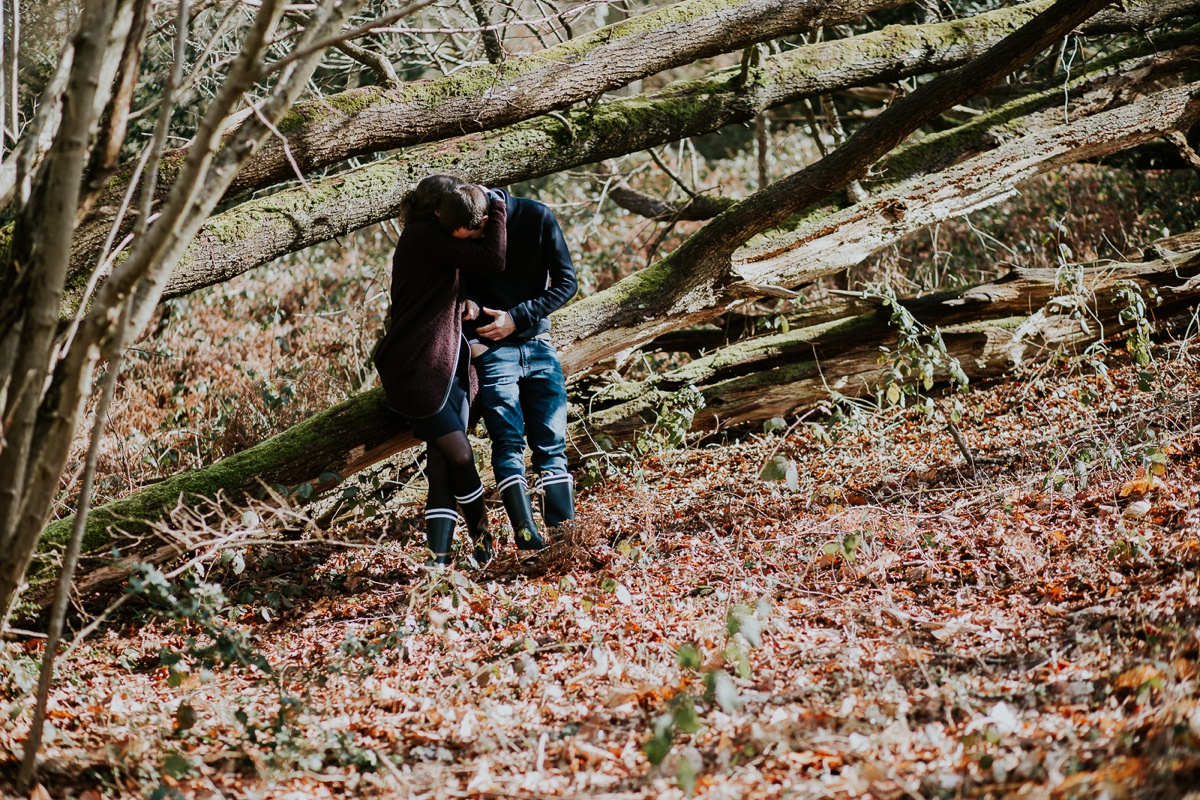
[418, 354]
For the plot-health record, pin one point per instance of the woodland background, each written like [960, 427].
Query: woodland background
[885, 433]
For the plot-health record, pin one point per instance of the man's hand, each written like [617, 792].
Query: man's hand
[500, 326]
[470, 310]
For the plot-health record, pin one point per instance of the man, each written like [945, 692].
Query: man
[522, 392]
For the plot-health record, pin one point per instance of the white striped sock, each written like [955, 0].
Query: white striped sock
[509, 481]
[475, 495]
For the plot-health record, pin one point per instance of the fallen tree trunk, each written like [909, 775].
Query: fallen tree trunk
[258, 231]
[367, 120]
[371, 119]
[701, 277]
[359, 432]
[988, 328]
[675, 293]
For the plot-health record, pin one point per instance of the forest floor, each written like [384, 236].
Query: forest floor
[887, 621]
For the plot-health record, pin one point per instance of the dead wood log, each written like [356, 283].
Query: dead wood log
[669, 295]
[372, 119]
[988, 328]
[360, 432]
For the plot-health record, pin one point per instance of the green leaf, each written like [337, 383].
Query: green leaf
[751, 628]
[657, 748]
[688, 657]
[893, 394]
[685, 773]
[659, 745]
[722, 690]
[776, 469]
[850, 545]
[185, 717]
[176, 766]
[774, 424]
[741, 661]
[686, 718]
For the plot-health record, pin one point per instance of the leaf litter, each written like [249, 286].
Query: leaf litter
[880, 619]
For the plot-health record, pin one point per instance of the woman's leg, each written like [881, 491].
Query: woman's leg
[457, 461]
[440, 514]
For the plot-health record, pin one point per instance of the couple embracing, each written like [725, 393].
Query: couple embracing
[475, 276]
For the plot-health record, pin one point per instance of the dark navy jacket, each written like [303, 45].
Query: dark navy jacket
[538, 276]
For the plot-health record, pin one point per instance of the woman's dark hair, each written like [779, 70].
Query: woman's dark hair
[426, 199]
[463, 206]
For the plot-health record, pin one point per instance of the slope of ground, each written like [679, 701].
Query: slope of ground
[883, 620]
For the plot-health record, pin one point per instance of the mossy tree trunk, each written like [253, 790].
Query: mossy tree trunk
[694, 285]
[258, 231]
[367, 120]
[988, 328]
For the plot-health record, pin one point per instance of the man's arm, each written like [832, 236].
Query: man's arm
[563, 284]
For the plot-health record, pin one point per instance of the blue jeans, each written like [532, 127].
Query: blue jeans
[523, 395]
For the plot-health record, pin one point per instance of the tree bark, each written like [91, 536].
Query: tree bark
[52, 407]
[666, 295]
[370, 119]
[260, 230]
[40, 249]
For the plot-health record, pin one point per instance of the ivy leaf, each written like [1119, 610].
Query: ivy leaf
[774, 424]
[723, 691]
[686, 718]
[776, 469]
[176, 766]
[185, 717]
[751, 628]
[688, 657]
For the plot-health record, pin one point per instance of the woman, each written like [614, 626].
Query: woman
[424, 364]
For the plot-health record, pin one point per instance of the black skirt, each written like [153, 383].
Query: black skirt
[452, 416]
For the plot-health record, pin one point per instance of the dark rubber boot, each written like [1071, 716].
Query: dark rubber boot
[515, 495]
[558, 499]
[477, 526]
[439, 533]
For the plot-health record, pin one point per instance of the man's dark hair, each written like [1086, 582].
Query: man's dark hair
[425, 200]
[463, 206]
